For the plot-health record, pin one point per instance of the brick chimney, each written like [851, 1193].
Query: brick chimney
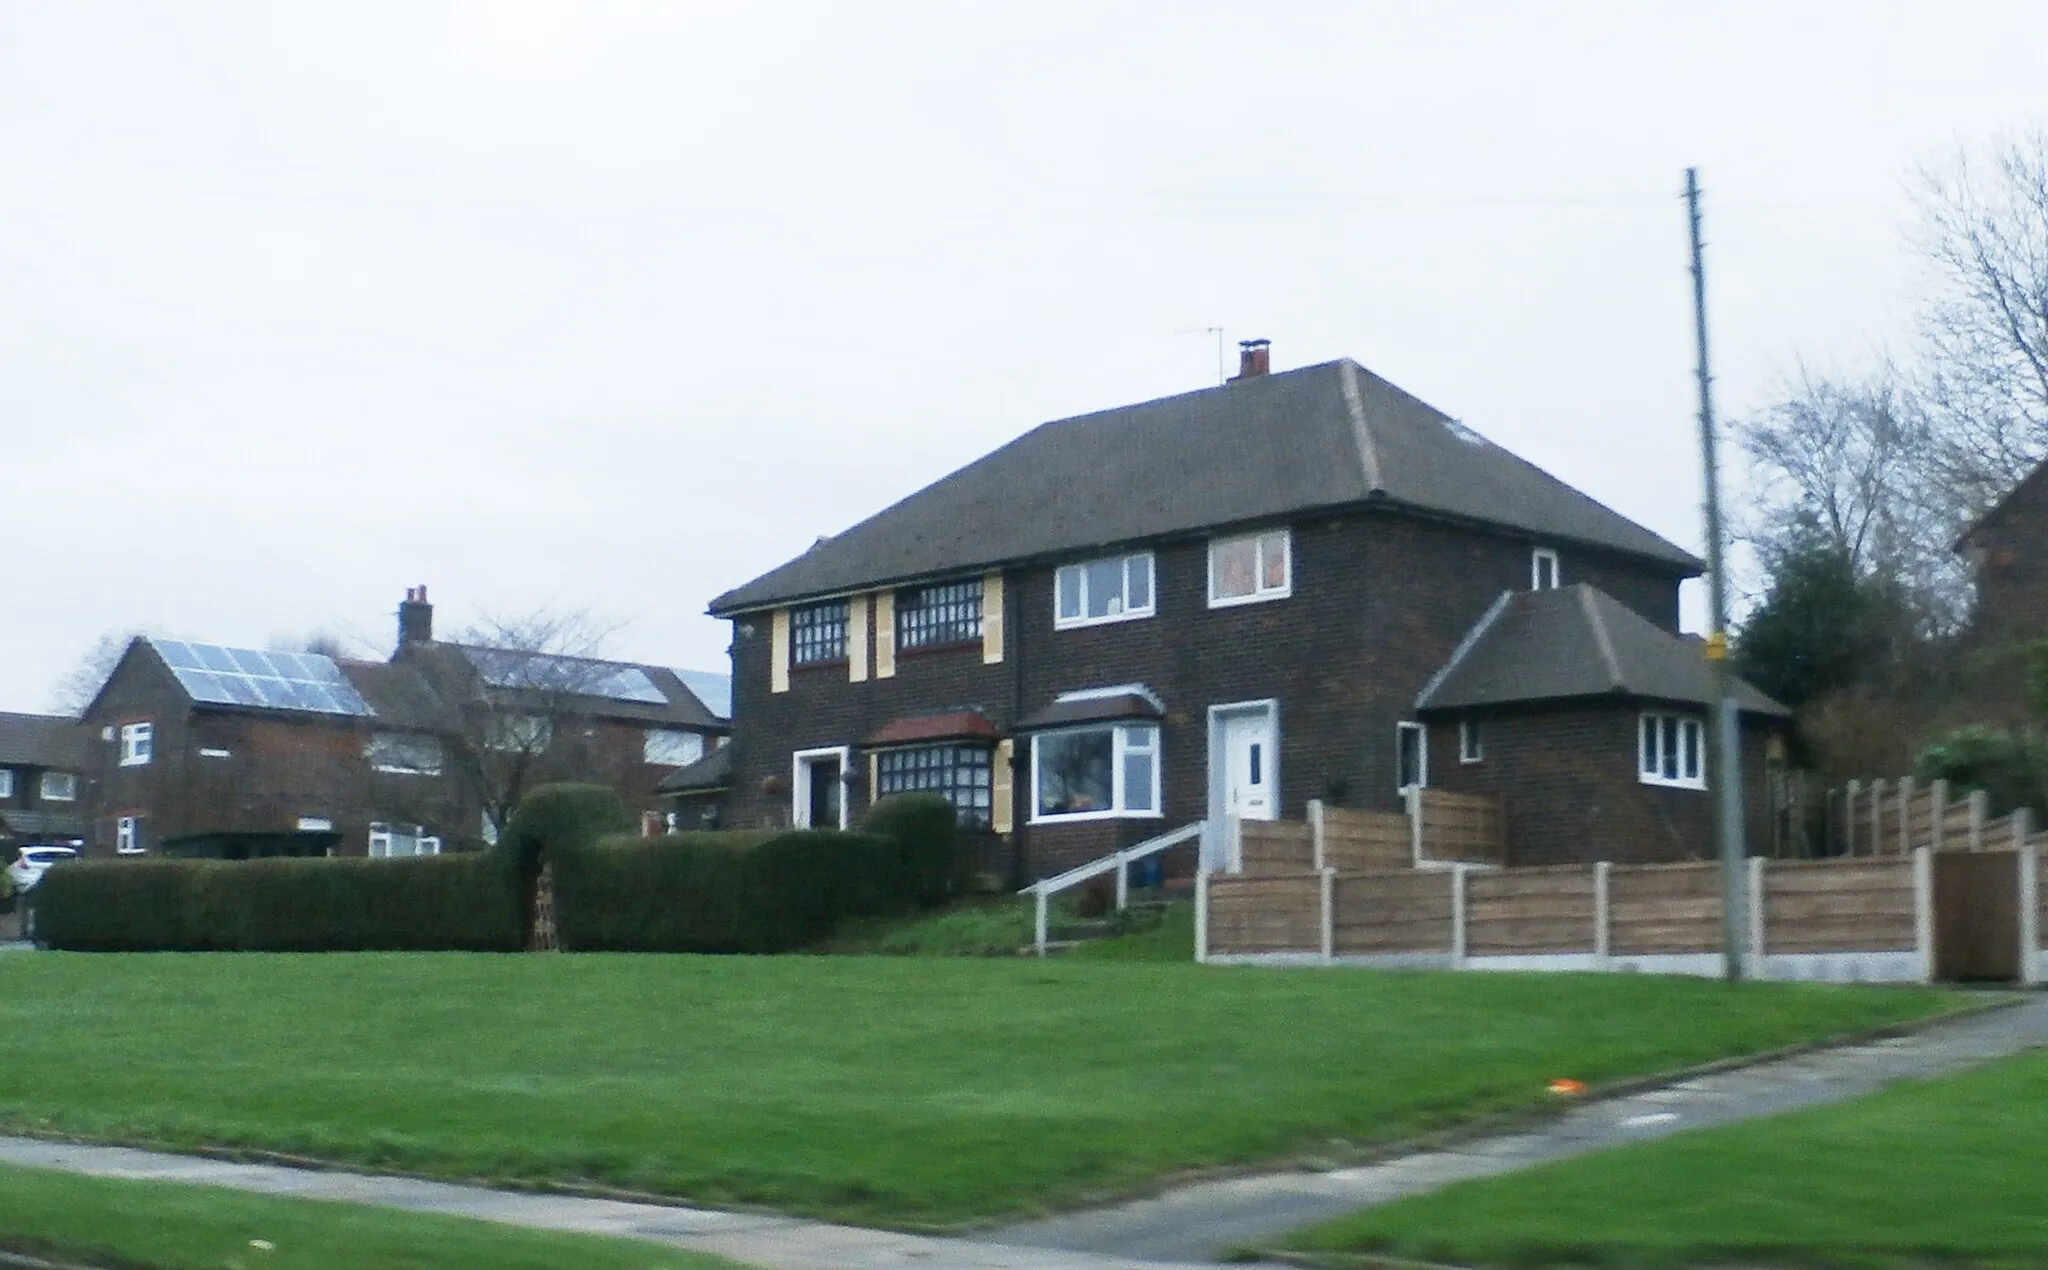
[415, 618]
[1254, 358]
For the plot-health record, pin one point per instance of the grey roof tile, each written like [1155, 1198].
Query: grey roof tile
[1576, 642]
[1327, 436]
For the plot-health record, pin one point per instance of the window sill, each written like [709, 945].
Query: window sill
[804, 668]
[1082, 623]
[1259, 597]
[1659, 782]
[131, 850]
[1083, 817]
[134, 762]
[957, 646]
[406, 771]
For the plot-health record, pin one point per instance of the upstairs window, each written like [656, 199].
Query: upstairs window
[1671, 750]
[1471, 748]
[1117, 589]
[817, 634]
[408, 754]
[960, 774]
[1092, 773]
[519, 733]
[59, 787]
[389, 842]
[673, 747]
[138, 741]
[1252, 568]
[934, 616]
[1543, 574]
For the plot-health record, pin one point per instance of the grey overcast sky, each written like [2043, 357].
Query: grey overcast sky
[615, 306]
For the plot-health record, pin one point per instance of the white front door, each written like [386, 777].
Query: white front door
[1248, 766]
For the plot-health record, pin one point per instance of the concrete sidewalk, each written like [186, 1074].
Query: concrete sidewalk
[1191, 1226]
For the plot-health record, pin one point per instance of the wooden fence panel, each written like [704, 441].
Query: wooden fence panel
[1469, 828]
[1404, 911]
[1364, 841]
[1859, 905]
[1276, 847]
[1534, 910]
[1957, 819]
[1664, 908]
[1265, 914]
[1922, 815]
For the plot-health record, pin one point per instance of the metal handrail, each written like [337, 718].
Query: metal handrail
[1045, 888]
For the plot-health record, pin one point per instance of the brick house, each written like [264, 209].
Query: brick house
[42, 780]
[1128, 621]
[2007, 549]
[194, 746]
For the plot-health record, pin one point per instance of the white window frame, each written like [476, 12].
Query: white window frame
[6, 782]
[138, 743]
[69, 782]
[1650, 749]
[1471, 742]
[519, 733]
[800, 784]
[315, 824]
[1261, 593]
[381, 836]
[128, 835]
[1538, 558]
[655, 751]
[1119, 797]
[382, 750]
[207, 751]
[1061, 622]
[1421, 731]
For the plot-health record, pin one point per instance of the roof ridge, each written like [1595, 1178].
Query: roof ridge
[1465, 645]
[1361, 430]
[1601, 638]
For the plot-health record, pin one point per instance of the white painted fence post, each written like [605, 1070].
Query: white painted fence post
[1201, 916]
[1603, 921]
[1923, 910]
[1123, 882]
[1756, 916]
[1315, 829]
[1458, 916]
[1329, 880]
[2030, 898]
[1041, 919]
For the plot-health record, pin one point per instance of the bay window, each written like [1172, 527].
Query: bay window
[960, 774]
[1096, 772]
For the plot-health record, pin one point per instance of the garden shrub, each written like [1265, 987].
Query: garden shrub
[731, 892]
[426, 903]
[2009, 766]
[925, 829]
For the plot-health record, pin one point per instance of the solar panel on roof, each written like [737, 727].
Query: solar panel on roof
[304, 682]
[542, 672]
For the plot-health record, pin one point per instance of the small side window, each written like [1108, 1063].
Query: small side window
[1471, 747]
[1543, 573]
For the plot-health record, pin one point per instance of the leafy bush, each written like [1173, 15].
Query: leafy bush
[427, 903]
[925, 827]
[2009, 766]
[724, 892]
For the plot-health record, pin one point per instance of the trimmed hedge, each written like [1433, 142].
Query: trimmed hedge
[426, 904]
[924, 827]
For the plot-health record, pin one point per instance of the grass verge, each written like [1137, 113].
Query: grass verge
[912, 1092]
[129, 1225]
[1946, 1173]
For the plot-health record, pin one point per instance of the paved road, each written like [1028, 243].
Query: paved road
[1192, 1226]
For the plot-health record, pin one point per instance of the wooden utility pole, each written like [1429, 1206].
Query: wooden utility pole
[1725, 772]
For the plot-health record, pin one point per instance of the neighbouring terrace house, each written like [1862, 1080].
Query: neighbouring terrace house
[210, 750]
[42, 780]
[2007, 550]
[1224, 602]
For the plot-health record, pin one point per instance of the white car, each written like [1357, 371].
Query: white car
[30, 863]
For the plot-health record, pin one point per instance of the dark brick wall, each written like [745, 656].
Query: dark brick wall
[1567, 776]
[29, 815]
[2011, 557]
[1379, 602]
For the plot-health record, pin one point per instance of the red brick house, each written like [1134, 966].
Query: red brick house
[199, 748]
[1129, 621]
[2007, 549]
[42, 780]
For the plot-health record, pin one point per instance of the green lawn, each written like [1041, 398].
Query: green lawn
[169, 1226]
[902, 1091]
[1946, 1173]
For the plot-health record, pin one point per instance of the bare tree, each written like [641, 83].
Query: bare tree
[76, 687]
[521, 692]
[1983, 374]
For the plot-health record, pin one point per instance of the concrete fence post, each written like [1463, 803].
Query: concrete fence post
[1233, 843]
[1923, 910]
[1904, 801]
[1876, 818]
[1851, 793]
[1980, 812]
[1937, 814]
[1603, 919]
[1201, 915]
[1329, 884]
[2030, 897]
[1757, 942]
[1315, 829]
[1458, 916]
[1413, 798]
